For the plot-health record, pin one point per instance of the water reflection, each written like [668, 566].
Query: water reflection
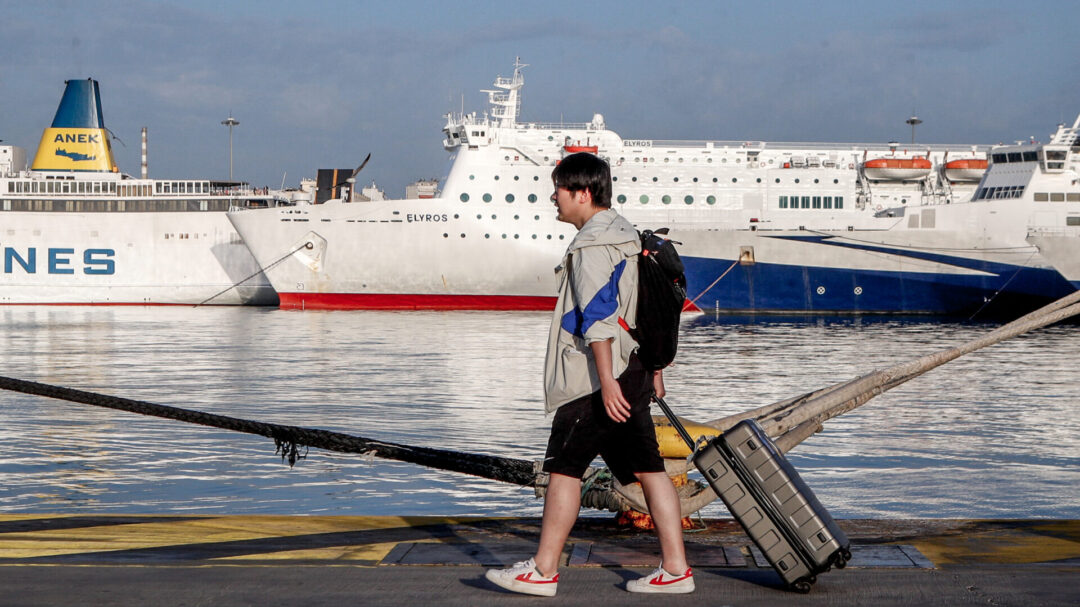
[993, 434]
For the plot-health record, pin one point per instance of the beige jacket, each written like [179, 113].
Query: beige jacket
[597, 285]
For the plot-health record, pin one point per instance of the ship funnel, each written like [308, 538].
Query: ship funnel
[77, 139]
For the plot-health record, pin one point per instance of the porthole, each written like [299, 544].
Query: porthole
[644, 198]
[654, 179]
[711, 200]
[709, 159]
[759, 179]
[689, 200]
[471, 177]
[550, 138]
[509, 198]
[667, 160]
[666, 199]
[456, 216]
[487, 197]
[633, 179]
[506, 158]
[562, 236]
[723, 160]
[464, 197]
[536, 178]
[487, 235]
[463, 234]
[516, 217]
[714, 180]
[445, 235]
[479, 216]
[496, 178]
[815, 180]
[532, 197]
[676, 180]
[534, 236]
[695, 179]
[796, 180]
[621, 198]
[614, 178]
[504, 236]
[549, 236]
[516, 236]
[836, 181]
[536, 217]
[734, 180]
[516, 177]
[777, 180]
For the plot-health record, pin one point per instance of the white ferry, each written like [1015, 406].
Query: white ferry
[74, 230]
[765, 227]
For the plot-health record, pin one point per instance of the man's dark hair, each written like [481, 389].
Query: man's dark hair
[583, 171]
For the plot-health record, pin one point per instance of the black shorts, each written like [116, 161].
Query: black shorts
[582, 430]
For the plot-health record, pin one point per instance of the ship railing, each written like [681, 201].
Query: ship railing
[813, 145]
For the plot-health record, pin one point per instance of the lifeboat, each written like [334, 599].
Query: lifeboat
[574, 149]
[897, 169]
[965, 169]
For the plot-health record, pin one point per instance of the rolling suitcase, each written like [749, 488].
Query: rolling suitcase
[767, 496]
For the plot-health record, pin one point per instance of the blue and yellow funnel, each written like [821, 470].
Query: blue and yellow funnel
[77, 139]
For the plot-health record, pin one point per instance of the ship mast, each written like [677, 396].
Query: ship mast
[506, 102]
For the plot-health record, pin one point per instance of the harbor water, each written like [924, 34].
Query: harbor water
[995, 434]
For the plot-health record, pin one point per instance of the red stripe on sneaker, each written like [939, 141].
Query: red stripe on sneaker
[660, 581]
[527, 577]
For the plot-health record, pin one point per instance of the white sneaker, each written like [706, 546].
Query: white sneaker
[661, 581]
[523, 577]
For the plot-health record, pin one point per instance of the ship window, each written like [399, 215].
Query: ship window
[1055, 155]
[472, 177]
[828, 202]
[1041, 197]
[464, 197]
[496, 178]
[999, 158]
[654, 179]
[1031, 157]
[695, 179]
[487, 197]
[509, 198]
[796, 180]
[734, 180]
[817, 202]
[676, 180]
[1072, 221]
[536, 178]
[644, 198]
[839, 202]
[689, 200]
[1073, 197]
[621, 198]
[665, 199]
[1057, 197]
[714, 180]
[806, 202]
[532, 197]
[783, 202]
[1014, 156]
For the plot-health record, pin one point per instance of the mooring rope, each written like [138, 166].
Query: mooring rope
[693, 302]
[307, 245]
[289, 439]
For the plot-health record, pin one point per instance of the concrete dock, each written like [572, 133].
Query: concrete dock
[354, 560]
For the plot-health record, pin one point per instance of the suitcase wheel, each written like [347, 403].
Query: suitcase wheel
[802, 586]
[842, 558]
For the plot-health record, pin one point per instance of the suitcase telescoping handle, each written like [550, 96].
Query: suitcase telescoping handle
[674, 421]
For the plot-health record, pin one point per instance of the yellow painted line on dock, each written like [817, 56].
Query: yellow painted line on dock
[68, 539]
[1000, 543]
[369, 552]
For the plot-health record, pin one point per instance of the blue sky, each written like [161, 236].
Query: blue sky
[322, 84]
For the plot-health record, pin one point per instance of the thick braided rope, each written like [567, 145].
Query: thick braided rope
[289, 438]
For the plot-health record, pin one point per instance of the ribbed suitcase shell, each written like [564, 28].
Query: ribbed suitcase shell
[777, 509]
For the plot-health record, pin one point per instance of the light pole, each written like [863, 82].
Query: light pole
[230, 122]
[913, 121]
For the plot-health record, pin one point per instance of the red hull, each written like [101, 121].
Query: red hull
[357, 301]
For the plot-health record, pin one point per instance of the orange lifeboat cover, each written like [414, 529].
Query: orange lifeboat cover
[573, 149]
[967, 163]
[898, 163]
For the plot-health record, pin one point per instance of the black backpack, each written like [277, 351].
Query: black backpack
[661, 297]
